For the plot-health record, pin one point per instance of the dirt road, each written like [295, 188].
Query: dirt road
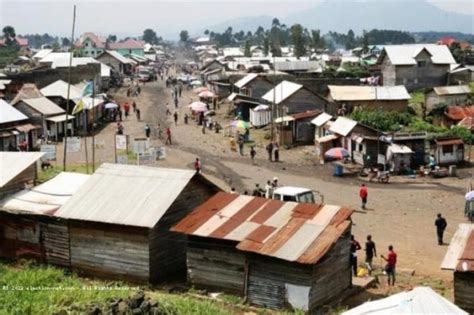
[401, 214]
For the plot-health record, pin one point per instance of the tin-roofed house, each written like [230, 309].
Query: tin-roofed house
[449, 95]
[253, 85]
[18, 170]
[28, 227]
[460, 259]
[387, 98]
[119, 221]
[272, 252]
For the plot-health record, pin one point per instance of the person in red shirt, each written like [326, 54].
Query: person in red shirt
[391, 260]
[197, 166]
[168, 136]
[363, 193]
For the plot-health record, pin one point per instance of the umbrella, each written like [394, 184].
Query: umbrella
[111, 105]
[469, 195]
[196, 83]
[198, 106]
[336, 154]
[200, 89]
[240, 124]
[206, 94]
[210, 113]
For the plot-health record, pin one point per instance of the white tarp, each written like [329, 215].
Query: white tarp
[297, 296]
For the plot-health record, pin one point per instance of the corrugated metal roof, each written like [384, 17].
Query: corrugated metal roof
[44, 106]
[298, 65]
[455, 112]
[321, 119]
[126, 195]
[28, 90]
[9, 114]
[457, 246]
[466, 259]
[290, 231]
[42, 53]
[47, 197]
[368, 93]
[449, 141]
[405, 54]
[306, 114]
[118, 56]
[343, 126]
[419, 301]
[245, 80]
[13, 163]
[399, 149]
[452, 90]
[282, 91]
[59, 88]
[60, 118]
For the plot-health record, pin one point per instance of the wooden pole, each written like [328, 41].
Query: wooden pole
[69, 90]
[93, 126]
[87, 158]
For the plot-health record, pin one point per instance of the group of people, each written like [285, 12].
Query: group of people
[273, 151]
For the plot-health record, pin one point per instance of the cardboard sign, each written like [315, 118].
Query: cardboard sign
[73, 144]
[121, 142]
[49, 152]
[146, 159]
[122, 159]
[141, 145]
[160, 153]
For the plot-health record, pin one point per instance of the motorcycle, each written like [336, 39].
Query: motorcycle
[381, 176]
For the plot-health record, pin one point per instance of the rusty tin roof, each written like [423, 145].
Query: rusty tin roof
[460, 253]
[299, 232]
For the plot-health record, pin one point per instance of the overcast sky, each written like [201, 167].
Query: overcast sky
[167, 18]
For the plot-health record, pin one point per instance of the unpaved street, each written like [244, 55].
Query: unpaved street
[401, 213]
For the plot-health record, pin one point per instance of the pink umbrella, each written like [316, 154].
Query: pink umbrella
[336, 154]
[206, 94]
[198, 107]
[200, 89]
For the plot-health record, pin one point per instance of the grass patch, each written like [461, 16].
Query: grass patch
[26, 288]
[46, 175]
[471, 86]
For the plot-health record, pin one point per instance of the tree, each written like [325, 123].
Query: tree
[266, 45]
[350, 42]
[112, 38]
[298, 39]
[9, 35]
[66, 42]
[206, 32]
[55, 46]
[149, 36]
[247, 51]
[365, 42]
[184, 36]
[315, 39]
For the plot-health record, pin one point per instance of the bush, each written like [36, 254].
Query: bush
[381, 120]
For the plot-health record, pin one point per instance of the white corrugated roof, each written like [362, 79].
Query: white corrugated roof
[119, 57]
[456, 246]
[399, 149]
[405, 54]
[282, 91]
[13, 163]
[126, 195]
[245, 80]
[368, 93]
[8, 113]
[419, 301]
[47, 197]
[42, 53]
[321, 119]
[452, 90]
[343, 126]
[56, 57]
[44, 106]
[59, 88]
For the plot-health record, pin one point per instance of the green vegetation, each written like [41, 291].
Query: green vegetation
[30, 289]
[471, 85]
[56, 169]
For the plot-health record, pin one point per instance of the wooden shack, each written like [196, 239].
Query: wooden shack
[293, 98]
[120, 218]
[28, 227]
[253, 85]
[273, 253]
[460, 259]
[17, 171]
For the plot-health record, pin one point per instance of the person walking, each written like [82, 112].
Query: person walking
[175, 115]
[268, 190]
[269, 149]
[253, 153]
[276, 151]
[168, 112]
[197, 166]
[186, 118]
[176, 102]
[168, 136]
[391, 260]
[147, 131]
[160, 132]
[119, 128]
[441, 225]
[257, 192]
[134, 106]
[275, 183]
[126, 108]
[363, 194]
[241, 145]
[138, 114]
[180, 89]
[355, 246]
[370, 253]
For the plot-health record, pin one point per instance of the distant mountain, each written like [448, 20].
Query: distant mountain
[413, 16]
[359, 15]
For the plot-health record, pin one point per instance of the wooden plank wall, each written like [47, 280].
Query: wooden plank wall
[28, 176]
[110, 251]
[55, 239]
[216, 265]
[168, 249]
[302, 101]
[20, 237]
[332, 275]
[464, 290]
[267, 278]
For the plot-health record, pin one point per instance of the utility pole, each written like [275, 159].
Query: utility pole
[274, 101]
[69, 89]
[93, 126]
